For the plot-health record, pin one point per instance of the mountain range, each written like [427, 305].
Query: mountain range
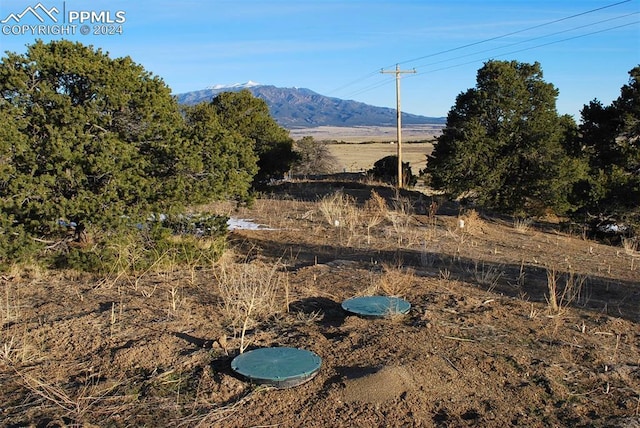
[303, 108]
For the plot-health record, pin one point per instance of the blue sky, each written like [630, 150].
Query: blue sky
[338, 48]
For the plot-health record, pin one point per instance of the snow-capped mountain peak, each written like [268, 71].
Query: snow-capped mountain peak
[249, 84]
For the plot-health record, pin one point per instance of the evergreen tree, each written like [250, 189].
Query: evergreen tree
[249, 116]
[94, 138]
[505, 145]
[226, 163]
[611, 142]
[386, 170]
[85, 138]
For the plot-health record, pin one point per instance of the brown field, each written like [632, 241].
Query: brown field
[511, 324]
[361, 157]
[358, 148]
[359, 134]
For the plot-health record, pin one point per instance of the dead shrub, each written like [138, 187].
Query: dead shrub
[471, 221]
[395, 281]
[249, 293]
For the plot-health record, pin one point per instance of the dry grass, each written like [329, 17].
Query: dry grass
[361, 157]
[395, 281]
[77, 405]
[522, 225]
[471, 221]
[631, 246]
[167, 331]
[376, 204]
[564, 295]
[401, 218]
[9, 307]
[487, 275]
[339, 210]
[14, 352]
[375, 212]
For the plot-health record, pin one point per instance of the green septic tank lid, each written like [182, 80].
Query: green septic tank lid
[280, 366]
[376, 306]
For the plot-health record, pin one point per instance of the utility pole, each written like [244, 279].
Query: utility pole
[398, 72]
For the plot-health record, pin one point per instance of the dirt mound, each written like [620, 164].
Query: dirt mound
[385, 384]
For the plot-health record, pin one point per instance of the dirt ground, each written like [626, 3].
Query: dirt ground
[482, 345]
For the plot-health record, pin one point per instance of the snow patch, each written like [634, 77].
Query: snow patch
[245, 224]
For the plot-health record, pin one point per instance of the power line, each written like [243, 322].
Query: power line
[380, 84]
[354, 82]
[534, 38]
[531, 47]
[516, 32]
[368, 88]
[377, 85]
[384, 83]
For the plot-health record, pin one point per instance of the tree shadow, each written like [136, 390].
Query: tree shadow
[195, 341]
[314, 188]
[332, 313]
[615, 297]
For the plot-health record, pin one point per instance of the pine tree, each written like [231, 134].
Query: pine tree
[249, 116]
[610, 139]
[505, 145]
[88, 139]
[226, 163]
